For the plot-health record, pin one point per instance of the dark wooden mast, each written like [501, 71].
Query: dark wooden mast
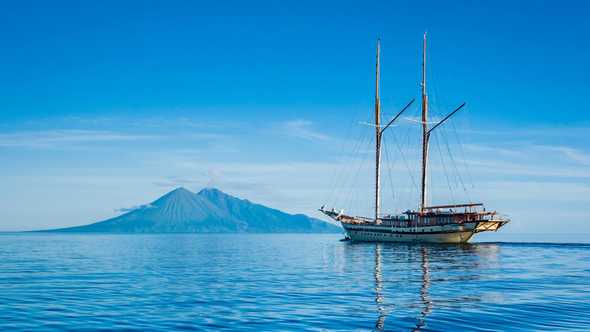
[425, 132]
[377, 140]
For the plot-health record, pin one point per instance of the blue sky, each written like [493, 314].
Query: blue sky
[106, 105]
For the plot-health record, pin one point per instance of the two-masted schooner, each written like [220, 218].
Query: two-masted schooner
[451, 223]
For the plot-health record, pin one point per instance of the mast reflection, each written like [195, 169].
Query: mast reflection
[424, 293]
[467, 263]
[380, 324]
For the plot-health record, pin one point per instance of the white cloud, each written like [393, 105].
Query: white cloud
[63, 138]
[570, 153]
[136, 207]
[303, 129]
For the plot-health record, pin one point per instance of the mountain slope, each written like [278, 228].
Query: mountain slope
[209, 211]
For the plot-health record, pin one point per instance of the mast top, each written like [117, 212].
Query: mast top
[423, 85]
[377, 78]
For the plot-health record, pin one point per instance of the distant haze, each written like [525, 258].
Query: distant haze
[108, 105]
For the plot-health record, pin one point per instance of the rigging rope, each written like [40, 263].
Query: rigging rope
[390, 172]
[340, 175]
[457, 170]
[445, 170]
[462, 151]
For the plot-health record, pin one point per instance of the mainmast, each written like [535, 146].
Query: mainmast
[377, 140]
[425, 133]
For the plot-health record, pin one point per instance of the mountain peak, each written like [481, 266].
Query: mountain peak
[213, 194]
[210, 190]
[179, 194]
[181, 190]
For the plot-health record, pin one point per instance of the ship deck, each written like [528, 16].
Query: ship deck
[431, 221]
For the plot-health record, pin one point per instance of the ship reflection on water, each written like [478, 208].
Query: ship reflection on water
[424, 297]
[403, 280]
[379, 289]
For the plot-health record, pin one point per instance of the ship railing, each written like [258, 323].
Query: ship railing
[363, 219]
[500, 217]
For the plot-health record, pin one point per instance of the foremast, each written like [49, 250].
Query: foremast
[379, 130]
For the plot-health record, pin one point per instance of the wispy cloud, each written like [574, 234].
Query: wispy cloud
[62, 138]
[530, 159]
[570, 153]
[133, 208]
[177, 181]
[530, 133]
[151, 122]
[303, 129]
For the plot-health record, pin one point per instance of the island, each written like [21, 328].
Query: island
[208, 211]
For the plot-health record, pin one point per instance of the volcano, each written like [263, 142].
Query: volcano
[208, 211]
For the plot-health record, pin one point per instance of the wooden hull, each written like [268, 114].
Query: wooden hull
[427, 234]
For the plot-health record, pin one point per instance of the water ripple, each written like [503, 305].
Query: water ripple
[287, 282]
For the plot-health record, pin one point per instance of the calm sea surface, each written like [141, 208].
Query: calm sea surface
[287, 282]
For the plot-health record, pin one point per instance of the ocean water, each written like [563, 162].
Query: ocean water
[287, 282]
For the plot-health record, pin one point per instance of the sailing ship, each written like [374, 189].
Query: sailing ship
[450, 223]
